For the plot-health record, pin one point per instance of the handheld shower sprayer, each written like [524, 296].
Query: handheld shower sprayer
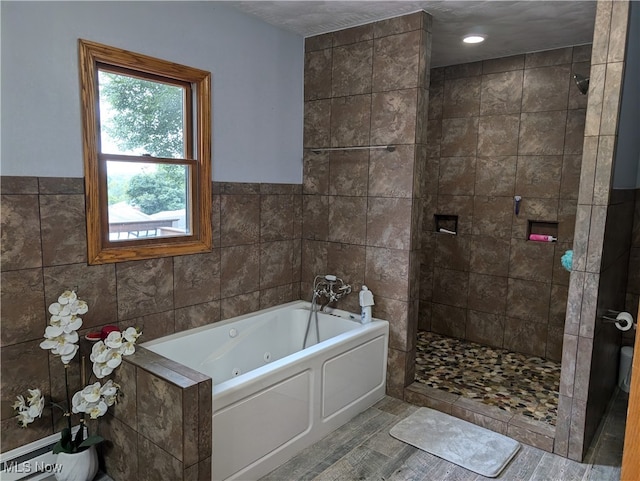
[332, 288]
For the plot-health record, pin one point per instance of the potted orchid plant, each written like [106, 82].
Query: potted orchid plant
[93, 400]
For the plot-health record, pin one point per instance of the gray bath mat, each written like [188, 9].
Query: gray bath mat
[457, 441]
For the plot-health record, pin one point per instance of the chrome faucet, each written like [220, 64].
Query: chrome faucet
[331, 287]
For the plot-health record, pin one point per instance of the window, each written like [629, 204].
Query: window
[147, 155]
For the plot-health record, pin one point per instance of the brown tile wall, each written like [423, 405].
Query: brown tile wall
[602, 248]
[357, 208]
[500, 128]
[633, 281]
[255, 264]
[366, 86]
[161, 429]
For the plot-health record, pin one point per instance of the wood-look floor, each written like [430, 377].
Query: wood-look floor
[362, 449]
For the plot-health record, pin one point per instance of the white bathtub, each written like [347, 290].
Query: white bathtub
[271, 398]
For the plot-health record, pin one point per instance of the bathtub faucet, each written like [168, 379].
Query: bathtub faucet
[330, 287]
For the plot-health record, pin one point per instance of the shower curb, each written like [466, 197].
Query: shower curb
[517, 426]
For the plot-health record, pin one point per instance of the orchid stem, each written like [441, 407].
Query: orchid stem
[59, 406]
[83, 379]
[66, 385]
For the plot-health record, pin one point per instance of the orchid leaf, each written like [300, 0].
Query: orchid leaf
[90, 441]
[65, 445]
[79, 437]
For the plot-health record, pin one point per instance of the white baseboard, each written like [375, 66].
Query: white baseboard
[34, 461]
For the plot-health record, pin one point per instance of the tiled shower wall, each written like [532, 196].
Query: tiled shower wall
[500, 128]
[255, 263]
[366, 86]
[602, 247]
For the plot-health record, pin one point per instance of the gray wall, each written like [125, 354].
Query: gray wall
[626, 170]
[257, 77]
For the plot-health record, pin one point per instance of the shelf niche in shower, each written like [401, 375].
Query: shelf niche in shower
[542, 228]
[446, 224]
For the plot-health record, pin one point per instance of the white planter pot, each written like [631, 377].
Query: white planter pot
[82, 466]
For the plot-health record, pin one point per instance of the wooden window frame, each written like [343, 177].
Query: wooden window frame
[100, 250]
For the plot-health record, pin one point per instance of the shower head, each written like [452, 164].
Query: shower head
[582, 82]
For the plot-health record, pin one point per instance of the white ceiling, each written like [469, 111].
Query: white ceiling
[511, 27]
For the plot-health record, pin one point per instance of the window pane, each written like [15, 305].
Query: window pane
[147, 200]
[139, 117]
[126, 175]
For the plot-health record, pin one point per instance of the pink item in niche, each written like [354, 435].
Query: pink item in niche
[542, 238]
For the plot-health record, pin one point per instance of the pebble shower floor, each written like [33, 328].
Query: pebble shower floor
[514, 382]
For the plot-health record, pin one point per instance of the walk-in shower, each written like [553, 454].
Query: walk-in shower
[493, 295]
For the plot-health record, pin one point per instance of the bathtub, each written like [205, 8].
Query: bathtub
[271, 398]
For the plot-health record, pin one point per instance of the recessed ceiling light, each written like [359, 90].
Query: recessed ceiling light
[473, 39]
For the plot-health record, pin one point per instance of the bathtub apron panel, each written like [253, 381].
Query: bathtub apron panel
[347, 379]
[256, 426]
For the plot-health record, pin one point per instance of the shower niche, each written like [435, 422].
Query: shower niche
[539, 230]
[446, 224]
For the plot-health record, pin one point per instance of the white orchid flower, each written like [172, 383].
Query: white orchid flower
[100, 369]
[95, 399]
[34, 395]
[88, 399]
[78, 307]
[114, 340]
[24, 418]
[65, 349]
[78, 403]
[131, 334]
[31, 409]
[111, 400]
[104, 359]
[35, 411]
[95, 410]
[52, 332]
[60, 343]
[69, 353]
[72, 323]
[110, 388]
[58, 334]
[127, 348]
[99, 352]
[114, 358]
[110, 392]
[67, 323]
[67, 297]
[92, 392]
[20, 403]
[55, 309]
